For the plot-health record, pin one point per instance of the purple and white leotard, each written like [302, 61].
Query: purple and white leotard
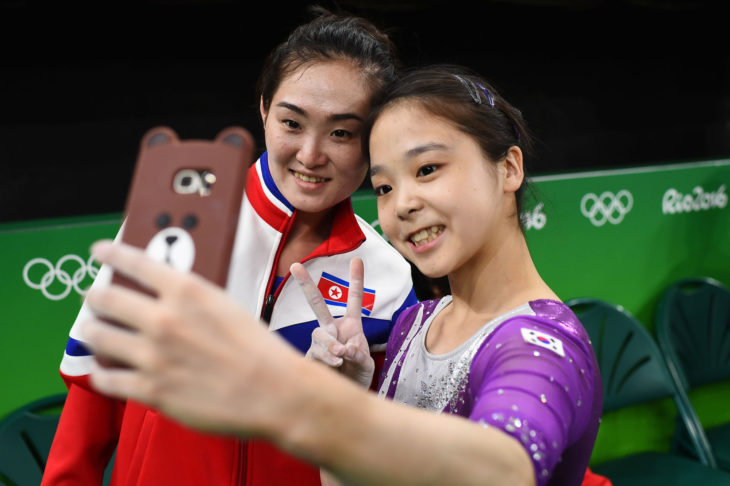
[530, 372]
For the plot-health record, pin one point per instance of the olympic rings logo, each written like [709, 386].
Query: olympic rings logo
[606, 207]
[58, 272]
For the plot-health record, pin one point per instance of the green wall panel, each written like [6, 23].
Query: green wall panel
[619, 235]
[44, 271]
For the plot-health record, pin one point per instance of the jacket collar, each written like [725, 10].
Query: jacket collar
[273, 207]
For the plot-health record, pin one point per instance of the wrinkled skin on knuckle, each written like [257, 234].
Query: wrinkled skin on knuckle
[318, 354]
[317, 335]
[188, 289]
[152, 361]
[320, 339]
[136, 265]
[330, 348]
[165, 325]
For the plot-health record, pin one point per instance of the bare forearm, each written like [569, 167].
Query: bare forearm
[195, 355]
[365, 440]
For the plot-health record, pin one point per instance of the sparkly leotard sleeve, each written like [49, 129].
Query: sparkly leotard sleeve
[531, 373]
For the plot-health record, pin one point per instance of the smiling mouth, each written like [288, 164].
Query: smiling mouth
[306, 178]
[426, 235]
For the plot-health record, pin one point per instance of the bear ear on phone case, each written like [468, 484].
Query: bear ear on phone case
[185, 198]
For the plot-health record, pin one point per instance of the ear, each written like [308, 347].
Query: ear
[513, 171]
[237, 137]
[158, 136]
[262, 110]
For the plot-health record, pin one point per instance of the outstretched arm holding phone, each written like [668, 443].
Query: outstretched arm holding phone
[197, 356]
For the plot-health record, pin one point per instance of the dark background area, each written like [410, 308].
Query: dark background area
[602, 84]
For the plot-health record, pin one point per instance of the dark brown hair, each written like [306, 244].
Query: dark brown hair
[465, 100]
[331, 36]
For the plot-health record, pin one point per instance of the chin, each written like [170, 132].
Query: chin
[312, 205]
[430, 271]
[435, 274]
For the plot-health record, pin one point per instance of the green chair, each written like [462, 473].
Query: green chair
[25, 439]
[693, 331]
[633, 372]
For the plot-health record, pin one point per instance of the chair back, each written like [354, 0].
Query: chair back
[693, 330]
[633, 370]
[25, 440]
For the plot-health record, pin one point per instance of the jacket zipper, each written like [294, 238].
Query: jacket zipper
[270, 298]
[268, 308]
[266, 312]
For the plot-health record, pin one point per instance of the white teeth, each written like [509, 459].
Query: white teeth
[307, 178]
[426, 235]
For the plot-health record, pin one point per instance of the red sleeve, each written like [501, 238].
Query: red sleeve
[85, 439]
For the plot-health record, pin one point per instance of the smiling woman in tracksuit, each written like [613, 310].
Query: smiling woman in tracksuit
[315, 92]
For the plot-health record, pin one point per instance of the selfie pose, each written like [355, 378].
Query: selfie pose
[501, 350]
[315, 93]
[495, 384]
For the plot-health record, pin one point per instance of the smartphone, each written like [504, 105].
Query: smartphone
[184, 201]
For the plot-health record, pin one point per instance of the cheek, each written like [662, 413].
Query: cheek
[279, 145]
[387, 220]
[349, 157]
[351, 163]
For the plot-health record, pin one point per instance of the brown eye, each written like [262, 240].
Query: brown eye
[341, 133]
[426, 170]
[382, 190]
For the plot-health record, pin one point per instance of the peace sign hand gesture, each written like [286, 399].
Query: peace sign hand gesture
[341, 342]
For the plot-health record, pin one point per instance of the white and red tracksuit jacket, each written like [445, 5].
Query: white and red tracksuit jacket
[154, 450]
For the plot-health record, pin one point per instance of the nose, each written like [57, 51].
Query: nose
[311, 154]
[407, 202]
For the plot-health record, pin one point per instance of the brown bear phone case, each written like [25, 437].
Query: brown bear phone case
[185, 197]
[184, 201]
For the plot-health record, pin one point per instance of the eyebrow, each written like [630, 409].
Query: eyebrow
[374, 169]
[335, 117]
[425, 148]
[414, 152]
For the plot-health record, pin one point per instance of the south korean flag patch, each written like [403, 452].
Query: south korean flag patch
[543, 340]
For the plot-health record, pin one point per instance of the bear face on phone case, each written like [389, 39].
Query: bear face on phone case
[185, 198]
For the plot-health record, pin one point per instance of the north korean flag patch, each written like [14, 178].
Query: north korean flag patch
[543, 340]
[335, 291]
